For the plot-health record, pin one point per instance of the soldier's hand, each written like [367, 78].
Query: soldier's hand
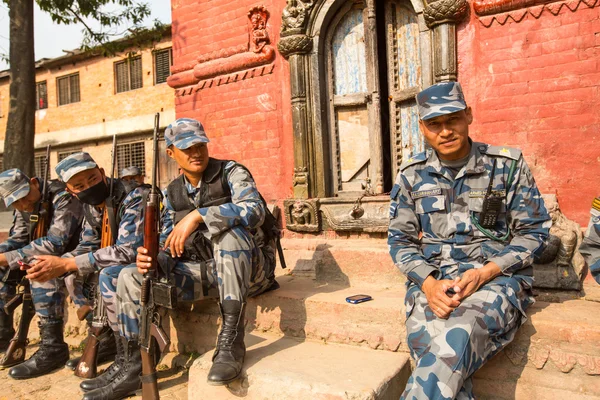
[142, 260]
[472, 280]
[440, 303]
[176, 240]
[46, 268]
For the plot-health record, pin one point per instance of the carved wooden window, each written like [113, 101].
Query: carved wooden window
[131, 155]
[128, 74]
[163, 59]
[373, 76]
[68, 89]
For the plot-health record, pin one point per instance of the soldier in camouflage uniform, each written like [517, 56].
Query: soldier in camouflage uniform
[132, 174]
[218, 239]
[590, 247]
[89, 183]
[25, 195]
[467, 251]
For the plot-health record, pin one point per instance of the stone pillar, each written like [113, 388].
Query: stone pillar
[442, 16]
[295, 49]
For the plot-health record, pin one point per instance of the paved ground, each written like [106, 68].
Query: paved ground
[63, 385]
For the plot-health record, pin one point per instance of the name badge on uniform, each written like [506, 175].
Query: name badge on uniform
[477, 193]
[425, 193]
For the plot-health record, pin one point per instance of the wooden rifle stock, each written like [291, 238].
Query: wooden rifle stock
[15, 354]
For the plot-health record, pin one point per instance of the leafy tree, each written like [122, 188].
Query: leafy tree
[114, 18]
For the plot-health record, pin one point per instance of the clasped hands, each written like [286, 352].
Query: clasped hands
[175, 241]
[445, 295]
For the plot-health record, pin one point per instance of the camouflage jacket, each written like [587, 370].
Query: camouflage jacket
[430, 215]
[246, 207]
[89, 257]
[67, 215]
[590, 247]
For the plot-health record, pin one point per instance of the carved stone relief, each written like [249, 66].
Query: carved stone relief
[230, 64]
[302, 215]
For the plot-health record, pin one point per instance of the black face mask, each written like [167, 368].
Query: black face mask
[95, 194]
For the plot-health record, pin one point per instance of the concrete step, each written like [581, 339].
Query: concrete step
[303, 308]
[283, 368]
[349, 262]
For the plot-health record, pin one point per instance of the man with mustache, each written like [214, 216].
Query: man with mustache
[466, 220]
[590, 247]
[25, 195]
[88, 182]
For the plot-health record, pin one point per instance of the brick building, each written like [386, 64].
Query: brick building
[84, 99]
[316, 97]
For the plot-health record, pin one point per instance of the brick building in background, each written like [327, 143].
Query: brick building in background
[316, 98]
[84, 99]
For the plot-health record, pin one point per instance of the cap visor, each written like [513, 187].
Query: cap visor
[188, 142]
[443, 111]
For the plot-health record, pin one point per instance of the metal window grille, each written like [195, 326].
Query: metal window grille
[65, 154]
[38, 164]
[68, 89]
[1, 164]
[128, 74]
[41, 94]
[131, 154]
[163, 59]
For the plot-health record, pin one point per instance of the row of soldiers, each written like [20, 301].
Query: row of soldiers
[217, 240]
[466, 223]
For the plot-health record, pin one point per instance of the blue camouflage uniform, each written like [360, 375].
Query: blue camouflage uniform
[89, 257]
[432, 231]
[243, 264]
[48, 297]
[590, 247]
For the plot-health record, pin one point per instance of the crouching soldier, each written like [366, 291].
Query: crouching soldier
[122, 220]
[64, 217]
[132, 174]
[466, 220]
[590, 247]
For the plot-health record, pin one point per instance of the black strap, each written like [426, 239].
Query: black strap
[150, 378]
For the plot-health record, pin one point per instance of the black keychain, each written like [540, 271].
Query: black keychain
[492, 204]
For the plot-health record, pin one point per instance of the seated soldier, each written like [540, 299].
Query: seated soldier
[25, 195]
[590, 247]
[466, 220]
[219, 243]
[89, 184]
[132, 174]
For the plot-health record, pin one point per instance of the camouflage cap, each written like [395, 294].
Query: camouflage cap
[184, 133]
[14, 185]
[440, 99]
[130, 171]
[73, 165]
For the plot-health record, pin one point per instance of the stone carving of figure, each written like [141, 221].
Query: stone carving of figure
[294, 14]
[259, 37]
[300, 214]
[563, 229]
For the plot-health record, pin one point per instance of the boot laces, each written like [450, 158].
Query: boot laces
[227, 338]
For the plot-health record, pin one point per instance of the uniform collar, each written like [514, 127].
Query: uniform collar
[190, 188]
[475, 164]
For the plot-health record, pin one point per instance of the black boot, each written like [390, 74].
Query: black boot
[110, 373]
[106, 352]
[229, 354]
[52, 354]
[7, 331]
[127, 379]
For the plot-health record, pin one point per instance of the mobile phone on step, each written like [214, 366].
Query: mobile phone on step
[358, 298]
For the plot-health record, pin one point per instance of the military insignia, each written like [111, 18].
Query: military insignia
[425, 193]
[505, 151]
[477, 193]
[596, 204]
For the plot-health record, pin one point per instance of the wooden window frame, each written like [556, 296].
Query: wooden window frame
[169, 51]
[129, 62]
[70, 97]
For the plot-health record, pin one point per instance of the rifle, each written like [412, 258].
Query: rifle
[88, 363]
[156, 290]
[39, 223]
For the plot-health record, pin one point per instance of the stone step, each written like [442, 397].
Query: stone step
[350, 262]
[303, 308]
[284, 368]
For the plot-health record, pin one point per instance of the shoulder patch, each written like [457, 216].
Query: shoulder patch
[416, 159]
[596, 204]
[504, 151]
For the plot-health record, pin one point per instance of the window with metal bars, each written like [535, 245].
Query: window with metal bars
[68, 89]
[131, 155]
[163, 59]
[41, 94]
[39, 164]
[128, 74]
[64, 154]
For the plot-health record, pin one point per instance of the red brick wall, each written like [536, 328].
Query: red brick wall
[249, 120]
[536, 85]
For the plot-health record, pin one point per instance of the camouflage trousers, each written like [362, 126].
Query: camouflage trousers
[240, 269]
[48, 297]
[448, 352]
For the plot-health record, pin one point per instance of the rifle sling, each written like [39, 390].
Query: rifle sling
[150, 378]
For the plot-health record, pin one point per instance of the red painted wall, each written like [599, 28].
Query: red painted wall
[249, 120]
[536, 85]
